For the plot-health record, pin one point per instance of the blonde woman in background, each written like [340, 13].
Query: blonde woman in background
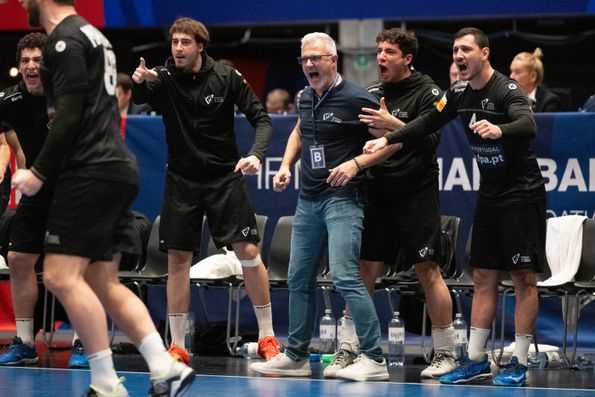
[527, 69]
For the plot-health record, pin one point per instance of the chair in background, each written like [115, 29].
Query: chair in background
[584, 284]
[233, 284]
[406, 283]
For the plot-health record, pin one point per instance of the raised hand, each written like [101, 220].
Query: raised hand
[142, 74]
[379, 119]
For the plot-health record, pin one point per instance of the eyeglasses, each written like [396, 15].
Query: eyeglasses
[312, 58]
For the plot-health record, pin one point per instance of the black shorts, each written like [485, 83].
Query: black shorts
[89, 217]
[27, 231]
[407, 221]
[510, 237]
[224, 200]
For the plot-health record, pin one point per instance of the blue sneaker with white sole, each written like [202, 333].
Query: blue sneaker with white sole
[468, 371]
[19, 353]
[78, 358]
[515, 374]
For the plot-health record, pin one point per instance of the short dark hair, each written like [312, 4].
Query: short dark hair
[65, 2]
[31, 41]
[407, 41]
[480, 37]
[124, 81]
[190, 27]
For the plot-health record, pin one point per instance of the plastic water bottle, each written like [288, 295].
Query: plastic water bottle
[461, 340]
[189, 334]
[396, 341]
[328, 332]
[248, 350]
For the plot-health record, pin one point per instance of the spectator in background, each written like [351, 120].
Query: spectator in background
[527, 69]
[278, 101]
[124, 95]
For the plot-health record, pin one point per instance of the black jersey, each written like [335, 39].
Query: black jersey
[79, 60]
[198, 113]
[508, 167]
[330, 124]
[26, 114]
[415, 164]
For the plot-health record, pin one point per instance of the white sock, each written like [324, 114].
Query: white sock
[153, 351]
[348, 339]
[521, 347]
[264, 317]
[478, 337]
[103, 374]
[444, 338]
[25, 330]
[177, 327]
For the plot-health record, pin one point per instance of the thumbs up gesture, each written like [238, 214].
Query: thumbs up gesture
[142, 74]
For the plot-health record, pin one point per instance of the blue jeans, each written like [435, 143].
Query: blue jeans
[337, 220]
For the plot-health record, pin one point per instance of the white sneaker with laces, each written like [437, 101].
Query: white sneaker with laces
[342, 359]
[364, 368]
[442, 364]
[283, 365]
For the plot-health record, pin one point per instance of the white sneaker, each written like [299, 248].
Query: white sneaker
[442, 364]
[282, 364]
[342, 359]
[175, 383]
[364, 368]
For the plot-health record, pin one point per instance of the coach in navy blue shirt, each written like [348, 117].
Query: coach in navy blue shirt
[327, 139]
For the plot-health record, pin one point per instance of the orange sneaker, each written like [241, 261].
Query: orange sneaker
[268, 347]
[179, 354]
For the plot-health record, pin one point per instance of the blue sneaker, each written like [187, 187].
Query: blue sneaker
[78, 358]
[468, 371]
[18, 353]
[515, 374]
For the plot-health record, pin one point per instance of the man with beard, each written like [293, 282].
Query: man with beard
[407, 180]
[96, 180]
[329, 212]
[509, 222]
[196, 97]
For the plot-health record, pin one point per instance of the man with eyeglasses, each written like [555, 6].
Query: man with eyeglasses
[329, 211]
[196, 97]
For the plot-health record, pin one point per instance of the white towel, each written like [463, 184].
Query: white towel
[563, 246]
[217, 266]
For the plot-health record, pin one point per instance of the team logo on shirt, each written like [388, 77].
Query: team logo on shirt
[331, 117]
[1, 94]
[435, 92]
[213, 98]
[245, 231]
[487, 105]
[512, 86]
[515, 258]
[60, 46]
[441, 103]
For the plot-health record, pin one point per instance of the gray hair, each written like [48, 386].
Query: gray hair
[329, 43]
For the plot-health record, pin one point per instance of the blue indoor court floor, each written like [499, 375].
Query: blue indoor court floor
[33, 381]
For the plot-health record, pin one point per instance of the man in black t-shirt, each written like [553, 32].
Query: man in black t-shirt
[509, 222]
[96, 180]
[407, 179]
